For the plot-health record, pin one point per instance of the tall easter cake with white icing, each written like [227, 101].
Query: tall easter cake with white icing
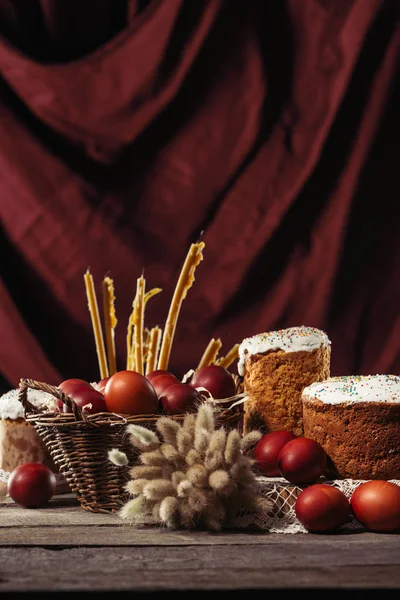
[19, 441]
[275, 367]
[357, 421]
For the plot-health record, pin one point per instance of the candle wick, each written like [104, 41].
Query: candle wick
[200, 236]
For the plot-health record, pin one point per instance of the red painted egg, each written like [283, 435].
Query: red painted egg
[302, 460]
[322, 508]
[267, 450]
[376, 505]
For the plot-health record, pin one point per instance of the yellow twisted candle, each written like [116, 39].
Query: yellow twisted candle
[95, 317]
[210, 353]
[153, 349]
[227, 360]
[185, 282]
[130, 337]
[138, 324]
[146, 339]
[110, 322]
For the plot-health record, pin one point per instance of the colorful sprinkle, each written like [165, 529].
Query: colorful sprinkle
[293, 339]
[356, 388]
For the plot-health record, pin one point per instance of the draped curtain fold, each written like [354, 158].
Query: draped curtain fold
[129, 128]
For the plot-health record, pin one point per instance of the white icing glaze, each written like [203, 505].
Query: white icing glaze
[11, 407]
[293, 339]
[356, 388]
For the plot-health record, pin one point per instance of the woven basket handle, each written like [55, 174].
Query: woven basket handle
[24, 384]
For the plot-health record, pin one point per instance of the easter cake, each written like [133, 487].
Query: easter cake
[275, 367]
[356, 419]
[19, 441]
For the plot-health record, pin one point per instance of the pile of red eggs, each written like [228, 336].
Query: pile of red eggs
[321, 507]
[126, 392]
[302, 461]
[130, 393]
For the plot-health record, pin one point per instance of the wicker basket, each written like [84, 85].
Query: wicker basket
[79, 445]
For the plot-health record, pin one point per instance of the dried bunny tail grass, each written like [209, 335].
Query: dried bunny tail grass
[187, 516]
[197, 475]
[142, 438]
[169, 429]
[217, 509]
[242, 476]
[216, 515]
[214, 460]
[167, 470]
[205, 418]
[158, 489]
[201, 439]
[154, 458]
[135, 486]
[193, 457]
[198, 500]
[155, 511]
[184, 441]
[242, 470]
[263, 505]
[232, 507]
[168, 511]
[184, 488]
[217, 441]
[189, 423]
[133, 509]
[249, 440]
[219, 480]
[232, 448]
[117, 457]
[248, 501]
[177, 477]
[145, 472]
[171, 454]
[214, 457]
[212, 524]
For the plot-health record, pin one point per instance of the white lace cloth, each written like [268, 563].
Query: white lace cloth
[283, 496]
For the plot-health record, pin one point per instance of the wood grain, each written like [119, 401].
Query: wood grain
[64, 548]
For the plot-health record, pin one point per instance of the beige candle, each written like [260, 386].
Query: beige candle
[185, 282]
[210, 353]
[110, 322]
[132, 359]
[130, 337]
[150, 294]
[153, 349]
[227, 360]
[146, 339]
[138, 325]
[94, 314]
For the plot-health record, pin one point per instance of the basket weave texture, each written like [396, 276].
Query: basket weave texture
[79, 443]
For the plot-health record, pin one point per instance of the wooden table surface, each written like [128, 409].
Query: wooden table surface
[63, 548]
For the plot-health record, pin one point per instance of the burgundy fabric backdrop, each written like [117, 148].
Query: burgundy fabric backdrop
[128, 127]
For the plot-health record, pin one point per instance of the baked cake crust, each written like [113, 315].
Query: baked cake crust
[19, 441]
[274, 381]
[19, 444]
[361, 438]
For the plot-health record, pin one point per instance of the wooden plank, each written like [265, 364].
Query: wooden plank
[63, 548]
[59, 511]
[127, 535]
[194, 567]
